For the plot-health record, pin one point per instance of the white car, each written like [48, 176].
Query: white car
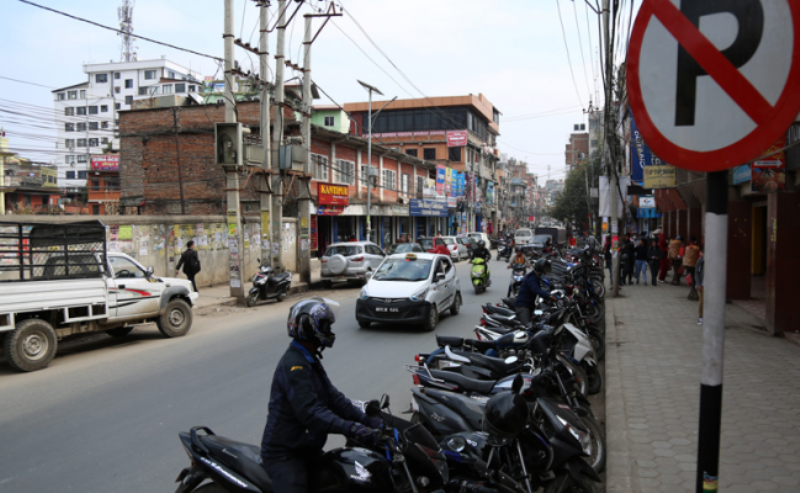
[481, 236]
[523, 236]
[458, 250]
[410, 289]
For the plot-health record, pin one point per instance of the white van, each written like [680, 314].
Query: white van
[523, 236]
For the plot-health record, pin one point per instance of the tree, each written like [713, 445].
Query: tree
[572, 203]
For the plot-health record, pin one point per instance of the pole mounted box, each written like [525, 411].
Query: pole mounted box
[228, 144]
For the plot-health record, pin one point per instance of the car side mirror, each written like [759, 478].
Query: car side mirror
[439, 276]
[150, 270]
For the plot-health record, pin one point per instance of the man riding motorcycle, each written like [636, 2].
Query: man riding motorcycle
[304, 405]
[482, 252]
[530, 289]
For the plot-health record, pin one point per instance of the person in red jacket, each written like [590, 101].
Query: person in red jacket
[665, 263]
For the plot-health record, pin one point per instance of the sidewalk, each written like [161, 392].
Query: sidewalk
[653, 360]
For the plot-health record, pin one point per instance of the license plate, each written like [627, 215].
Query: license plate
[340, 278]
[387, 310]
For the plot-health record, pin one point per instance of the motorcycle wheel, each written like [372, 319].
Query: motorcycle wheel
[599, 288]
[282, 296]
[595, 313]
[597, 456]
[594, 379]
[599, 343]
[565, 484]
[252, 300]
[582, 380]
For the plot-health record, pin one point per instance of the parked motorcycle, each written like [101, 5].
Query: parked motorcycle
[480, 275]
[269, 286]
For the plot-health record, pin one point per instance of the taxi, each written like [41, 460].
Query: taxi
[410, 288]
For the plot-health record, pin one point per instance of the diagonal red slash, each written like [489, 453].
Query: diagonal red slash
[713, 62]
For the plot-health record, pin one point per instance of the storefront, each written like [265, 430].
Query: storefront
[430, 216]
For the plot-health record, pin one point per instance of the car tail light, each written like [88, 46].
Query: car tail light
[358, 259]
[415, 377]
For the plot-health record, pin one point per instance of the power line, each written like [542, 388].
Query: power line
[566, 46]
[119, 31]
[580, 45]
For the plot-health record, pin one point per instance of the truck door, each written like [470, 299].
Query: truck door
[137, 294]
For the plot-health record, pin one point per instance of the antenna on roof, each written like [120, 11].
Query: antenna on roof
[125, 14]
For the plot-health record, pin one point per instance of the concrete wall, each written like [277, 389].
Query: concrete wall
[160, 240]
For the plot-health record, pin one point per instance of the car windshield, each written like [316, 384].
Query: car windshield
[426, 243]
[345, 250]
[477, 236]
[541, 238]
[402, 269]
[400, 248]
[523, 232]
[449, 241]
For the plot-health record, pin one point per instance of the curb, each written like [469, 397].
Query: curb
[619, 469]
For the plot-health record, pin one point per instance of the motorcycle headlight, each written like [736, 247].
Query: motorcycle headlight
[581, 437]
[518, 278]
[364, 294]
[419, 296]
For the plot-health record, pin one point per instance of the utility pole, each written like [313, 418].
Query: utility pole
[371, 89]
[235, 243]
[266, 199]
[304, 258]
[277, 183]
[610, 162]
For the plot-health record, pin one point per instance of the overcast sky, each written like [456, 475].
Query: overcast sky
[512, 51]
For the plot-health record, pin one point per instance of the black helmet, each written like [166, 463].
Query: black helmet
[481, 243]
[505, 417]
[542, 266]
[311, 320]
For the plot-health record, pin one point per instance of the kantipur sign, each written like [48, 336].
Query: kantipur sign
[330, 194]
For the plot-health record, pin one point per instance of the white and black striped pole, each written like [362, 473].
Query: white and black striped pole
[716, 259]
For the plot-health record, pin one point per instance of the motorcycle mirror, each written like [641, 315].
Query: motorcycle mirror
[511, 360]
[384, 401]
[516, 386]
[372, 409]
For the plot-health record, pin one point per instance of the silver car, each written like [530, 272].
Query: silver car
[351, 261]
[458, 250]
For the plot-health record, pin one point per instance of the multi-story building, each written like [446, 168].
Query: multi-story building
[331, 117]
[595, 130]
[87, 114]
[25, 186]
[577, 149]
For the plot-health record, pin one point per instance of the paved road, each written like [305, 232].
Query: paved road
[104, 416]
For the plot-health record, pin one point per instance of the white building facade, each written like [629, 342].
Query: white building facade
[86, 114]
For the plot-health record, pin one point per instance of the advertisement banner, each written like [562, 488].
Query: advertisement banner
[452, 203]
[606, 194]
[330, 210]
[448, 176]
[647, 201]
[427, 208]
[429, 188]
[740, 174]
[107, 162]
[457, 138]
[640, 154]
[490, 193]
[440, 171]
[330, 194]
[658, 177]
[769, 173]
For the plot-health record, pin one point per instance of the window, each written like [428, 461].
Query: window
[166, 89]
[150, 74]
[95, 184]
[128, 83]
[93, 125]
[83, 94]
[69, 127]
[171, 74]
[81, 110]
[405, 178]
[96, 210]
[70, 174]
[93, 143]
[594, 142]
[412, 152]
[69, 159]
[117, 90]
[117, 75]
[81, 142]
[82, 158]
[329, 121]
[128, 100]
[104, 109]
[101, 78]
[117, 106]
[92, 110]
[429, 153]
[103, 124]
[344, 172]
[82, 174]
[72, 94]
[104, 140]
[61, 96]
[69, 143]
[319, 167]
[454, 154]
[420, 185]
[389, 179]
[180, 88]
[192, 88]
[81, 127]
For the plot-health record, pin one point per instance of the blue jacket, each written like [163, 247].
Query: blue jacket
[304, 407]
[530, 289]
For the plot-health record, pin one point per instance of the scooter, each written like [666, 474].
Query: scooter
[480, 275]
[517, 275]
[269, 286]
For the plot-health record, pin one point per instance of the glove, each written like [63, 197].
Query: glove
[374, 423]
[364, 434]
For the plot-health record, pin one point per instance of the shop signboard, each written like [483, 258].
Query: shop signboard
[105, 162]
[330, 210]
[440, 179]
[740, 174]
[427, 208]
[490, 193]
[457, 138]
[659, 176]
[647, 201]
[640, 153]
[452, 202]
[448, 176]
[769, 172]
[330, 194]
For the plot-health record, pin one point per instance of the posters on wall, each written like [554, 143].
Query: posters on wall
[769, 172]
[125, 232]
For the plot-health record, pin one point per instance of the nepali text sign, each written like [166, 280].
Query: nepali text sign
[457, 138]
[659, 176]
[769, 172]
[106, 162]
[330, 210]
[427, 208]
[330, 194]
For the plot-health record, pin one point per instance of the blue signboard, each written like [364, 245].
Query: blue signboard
[427, 208]
[640, 154]
[740, 174]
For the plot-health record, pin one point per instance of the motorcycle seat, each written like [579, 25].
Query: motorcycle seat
[281, 276]
[507, 320]
[242, 458]
[451, 341]
[499, 310]
[509, 302]
[464, 383]
[497, 364]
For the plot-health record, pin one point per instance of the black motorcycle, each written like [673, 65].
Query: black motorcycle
[407, 459]
[504, 249]
[517, 275]
[269, 286]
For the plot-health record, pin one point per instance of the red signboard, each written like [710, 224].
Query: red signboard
[457, 138]
[330, 194]
[108, 162]
[769, 172]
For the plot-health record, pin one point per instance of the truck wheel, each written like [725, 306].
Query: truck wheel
[119, 331]
[31, 346]
[176, 319]
[433, 319]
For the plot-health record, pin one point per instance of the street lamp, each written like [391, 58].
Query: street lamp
[371, 89]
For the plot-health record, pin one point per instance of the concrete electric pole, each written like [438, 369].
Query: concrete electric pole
[266, 199]
[277, 183]
[304, 257]
[608, 139]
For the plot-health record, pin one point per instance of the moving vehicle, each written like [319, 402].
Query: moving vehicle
[523, 236]
[350, 261]
[435, 245]
[539, 241]
[409, 289]
[457, 249]
[505, 248]
[269, 286]
[57, 280]
[559, 235]
[404, 248]
[476, 236]
[517, 275]
[479, 275]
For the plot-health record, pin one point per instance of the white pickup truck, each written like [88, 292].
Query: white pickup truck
[57, 281]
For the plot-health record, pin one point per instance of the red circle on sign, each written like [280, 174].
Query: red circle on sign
[745, 149]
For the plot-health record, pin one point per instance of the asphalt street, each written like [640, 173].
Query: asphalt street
[105, 416]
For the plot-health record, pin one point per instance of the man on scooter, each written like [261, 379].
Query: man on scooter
[483, 252]
[530, 289]
[304, 406]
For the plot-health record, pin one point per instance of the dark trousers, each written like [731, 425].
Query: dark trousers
[654, 266]
[289, 475]
[676, 265]
[523, 314]
[191, 278]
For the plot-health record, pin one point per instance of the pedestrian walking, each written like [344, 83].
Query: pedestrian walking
[699, 271]
[665, 263]
[641, 260]
[191, 264]
[654, 256]
[627, 253]
[675, 257]
[690, 258]
[609, 260]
